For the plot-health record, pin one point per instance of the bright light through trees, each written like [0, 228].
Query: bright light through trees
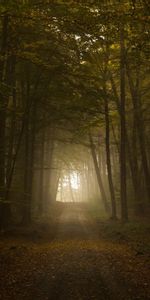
[71, 179]
[75, 183]
[69, 187]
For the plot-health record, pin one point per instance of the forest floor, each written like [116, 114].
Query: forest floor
[77, 257]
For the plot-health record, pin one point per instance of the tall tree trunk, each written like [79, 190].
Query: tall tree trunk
[27, 160]
[137, 182]
[32, 140]
[123, 193]
[11, 141]
[49, 158]
[108, 159]
[42, 177]
[139, 125]
[99, 179]
[30, 103]
[2, 168]
[70, 188]
[26, 206]
[54, 184]
[128, 146]
[4, 206]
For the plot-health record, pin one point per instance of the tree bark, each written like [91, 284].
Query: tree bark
[128, 146]
[139, 125]
[42, 177]
[108, 159]
[123, 192]
[99, 179]
[5, 212]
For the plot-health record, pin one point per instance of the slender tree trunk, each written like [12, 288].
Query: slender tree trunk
[27, 161]
[86, 181]
[41, 179]
[115, 138]
[70, 188]
[124, 141]
[2, 168]
[140, 128]
[49, 154]
[27, 173]
[55, 176]
[4, 206]
[99, 179]
[128, 146]
[32, 140]
[123, 193]
[108, 159]
[136, 179]
[11, 142]
[28, 105]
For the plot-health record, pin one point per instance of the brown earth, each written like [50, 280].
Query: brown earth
[75, 261]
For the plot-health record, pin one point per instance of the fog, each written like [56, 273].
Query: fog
[69, 173]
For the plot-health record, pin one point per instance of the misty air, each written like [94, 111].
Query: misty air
[74, 150]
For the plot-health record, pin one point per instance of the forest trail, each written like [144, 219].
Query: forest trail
[78, 263]
[75, 222]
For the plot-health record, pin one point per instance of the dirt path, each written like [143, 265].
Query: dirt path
[74, 222]
[76, 264]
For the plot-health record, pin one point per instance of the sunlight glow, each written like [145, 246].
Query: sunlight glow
[69, 189]
[74, 180]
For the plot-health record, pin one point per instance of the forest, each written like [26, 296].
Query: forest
[74, 136]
